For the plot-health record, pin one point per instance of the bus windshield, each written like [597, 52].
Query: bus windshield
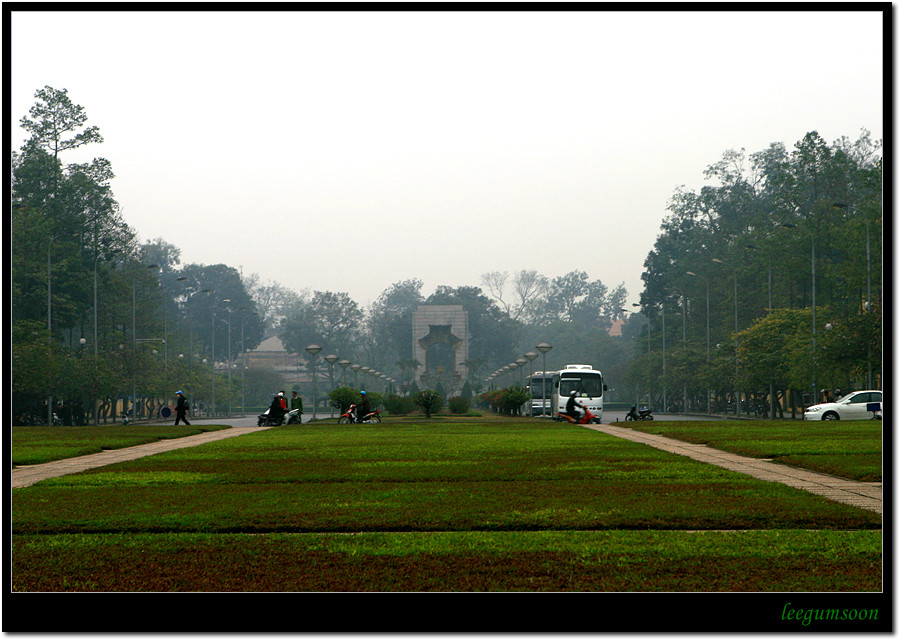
[537, 387]
[584, 383]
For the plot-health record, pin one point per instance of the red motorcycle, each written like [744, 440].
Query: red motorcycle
[350, 418]
[586, 418]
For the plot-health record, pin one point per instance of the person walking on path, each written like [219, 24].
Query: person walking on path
[296, 402]
[181, 407]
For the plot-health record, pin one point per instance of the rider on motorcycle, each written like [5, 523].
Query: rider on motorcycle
[277, 409]
[363, 407]
[572, 406]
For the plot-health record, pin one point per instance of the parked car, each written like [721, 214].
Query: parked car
[859, 405]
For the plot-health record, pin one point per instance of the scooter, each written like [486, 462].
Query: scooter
[586, 418]
[291, 417]
[643, 414]
[349, 417]
[127, 417]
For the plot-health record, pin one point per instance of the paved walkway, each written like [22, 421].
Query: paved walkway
[28, 475]
[865, 495]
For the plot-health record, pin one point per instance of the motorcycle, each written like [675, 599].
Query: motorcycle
[127, 416]
[643, 414]
[585, 418]
[291, 417]
[349, 417]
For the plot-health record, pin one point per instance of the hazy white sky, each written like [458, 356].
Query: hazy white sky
[346, 151]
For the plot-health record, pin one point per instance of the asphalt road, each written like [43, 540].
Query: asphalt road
[609, 417]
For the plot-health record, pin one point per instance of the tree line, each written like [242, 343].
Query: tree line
[105, 321]
[766, 285]
[98, 315]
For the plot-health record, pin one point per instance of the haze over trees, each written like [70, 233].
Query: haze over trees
[776, 230]
[128, 319]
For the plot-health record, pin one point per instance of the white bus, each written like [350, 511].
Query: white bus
[539, 386]
[587, 383]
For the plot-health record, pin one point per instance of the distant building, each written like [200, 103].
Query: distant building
[616, 328]
[271, 354]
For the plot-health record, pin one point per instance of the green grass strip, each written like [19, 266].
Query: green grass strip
[426, 478]
[37, 445]
[851, 449]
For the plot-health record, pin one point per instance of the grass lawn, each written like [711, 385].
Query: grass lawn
[37, 445]
[851, 449]
[447, 506]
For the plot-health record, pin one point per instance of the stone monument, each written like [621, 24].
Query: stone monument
[441, 340]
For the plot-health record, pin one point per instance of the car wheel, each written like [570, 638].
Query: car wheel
[831, 415]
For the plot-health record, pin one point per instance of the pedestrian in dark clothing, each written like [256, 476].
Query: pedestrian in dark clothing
[181, 408]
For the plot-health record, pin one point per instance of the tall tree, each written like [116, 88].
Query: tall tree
[57, 124]
[332, 320]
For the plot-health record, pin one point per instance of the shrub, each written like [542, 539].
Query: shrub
[430, 401]
[458, 405]
[342, 397]
[399, 405]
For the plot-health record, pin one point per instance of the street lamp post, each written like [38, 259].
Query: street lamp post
[868, 304]
[331, 359]
[313, 350]
[344, 364]
[530, 356]
[228, 355]
[737, 393]
[49, 314]
[520, 362]
[543, 347]
[706, 280]
[788, 225]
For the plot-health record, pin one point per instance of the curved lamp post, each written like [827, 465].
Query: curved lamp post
[314, 349]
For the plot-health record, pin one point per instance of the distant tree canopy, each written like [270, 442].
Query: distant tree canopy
[126, 309]
[768, 223]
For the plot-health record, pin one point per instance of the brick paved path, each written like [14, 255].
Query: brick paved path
[866, 495]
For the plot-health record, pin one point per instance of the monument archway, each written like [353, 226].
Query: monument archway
[441, 340]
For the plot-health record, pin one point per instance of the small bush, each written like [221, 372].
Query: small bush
[458, 405]
[399, 405]
[342, 397]
[430, 401]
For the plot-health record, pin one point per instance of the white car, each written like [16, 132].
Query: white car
[858, 405]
